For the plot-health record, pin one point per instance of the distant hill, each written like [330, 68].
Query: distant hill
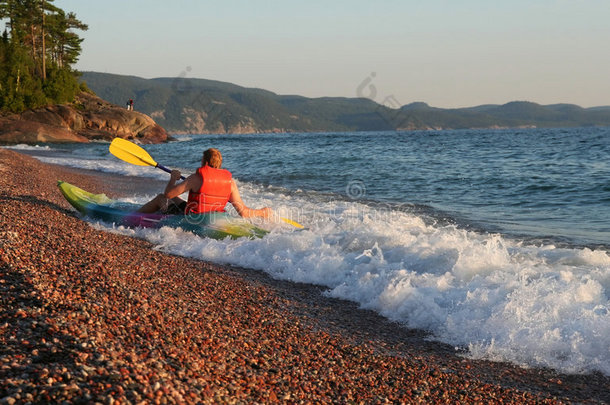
[183, 105]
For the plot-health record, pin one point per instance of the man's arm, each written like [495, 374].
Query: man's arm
[174, 190]
[242, 209]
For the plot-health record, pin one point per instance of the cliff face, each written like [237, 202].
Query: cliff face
[88, 118]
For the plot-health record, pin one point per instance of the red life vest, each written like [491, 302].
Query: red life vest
[214, 192]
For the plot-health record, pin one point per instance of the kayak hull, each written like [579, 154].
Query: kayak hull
[217, 225]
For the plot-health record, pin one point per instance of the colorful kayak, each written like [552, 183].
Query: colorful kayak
[217, 225]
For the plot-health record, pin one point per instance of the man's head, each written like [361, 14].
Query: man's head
[212, 158]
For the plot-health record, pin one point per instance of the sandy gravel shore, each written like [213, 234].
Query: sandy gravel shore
[87, 316]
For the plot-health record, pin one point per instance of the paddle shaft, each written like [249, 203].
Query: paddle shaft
[165, 169]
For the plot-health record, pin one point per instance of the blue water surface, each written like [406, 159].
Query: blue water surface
[536, 184]
[532, 183]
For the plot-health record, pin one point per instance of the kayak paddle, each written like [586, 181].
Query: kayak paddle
[134, 154]
[293, 223]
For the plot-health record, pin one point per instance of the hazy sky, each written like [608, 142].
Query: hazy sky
[451, 53]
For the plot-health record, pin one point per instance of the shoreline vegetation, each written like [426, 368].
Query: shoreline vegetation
[92, 316]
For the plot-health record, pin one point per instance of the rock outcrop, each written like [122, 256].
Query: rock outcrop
[87, 118]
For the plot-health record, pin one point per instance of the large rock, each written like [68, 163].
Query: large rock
[23, 131]
[88, 118]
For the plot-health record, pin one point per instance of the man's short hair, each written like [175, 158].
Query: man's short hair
[212, 158]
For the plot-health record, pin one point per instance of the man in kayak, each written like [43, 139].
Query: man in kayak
[209, 188]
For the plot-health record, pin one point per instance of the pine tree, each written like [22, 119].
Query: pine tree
[65, 44]
[37, 50]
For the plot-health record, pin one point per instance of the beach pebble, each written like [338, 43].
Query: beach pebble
[90, 316]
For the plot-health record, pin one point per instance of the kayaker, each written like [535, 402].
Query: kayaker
[209, 188]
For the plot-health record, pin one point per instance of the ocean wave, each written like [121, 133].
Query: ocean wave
[24, 147]
[500, 299]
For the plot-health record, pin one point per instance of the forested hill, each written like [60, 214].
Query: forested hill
[184, 105]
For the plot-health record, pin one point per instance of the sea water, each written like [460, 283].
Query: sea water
[494, 241]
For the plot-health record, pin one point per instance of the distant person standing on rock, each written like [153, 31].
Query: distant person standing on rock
[130, 104]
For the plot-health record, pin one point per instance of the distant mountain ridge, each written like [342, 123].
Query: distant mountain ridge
[196, 106]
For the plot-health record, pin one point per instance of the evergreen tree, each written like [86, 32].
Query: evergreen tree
[65, 45]
[37, 50]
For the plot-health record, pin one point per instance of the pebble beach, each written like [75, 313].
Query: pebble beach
[89, 316]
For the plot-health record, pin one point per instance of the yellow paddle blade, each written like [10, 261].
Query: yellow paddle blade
[291, 222]
[130, 153]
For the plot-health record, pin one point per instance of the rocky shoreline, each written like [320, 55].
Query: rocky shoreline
[88, 118]
[89, 316]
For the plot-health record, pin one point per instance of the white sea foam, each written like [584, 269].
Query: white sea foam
[28, 147]
[182, 138]
[83, 159]
[501, 299]
[106, 165]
